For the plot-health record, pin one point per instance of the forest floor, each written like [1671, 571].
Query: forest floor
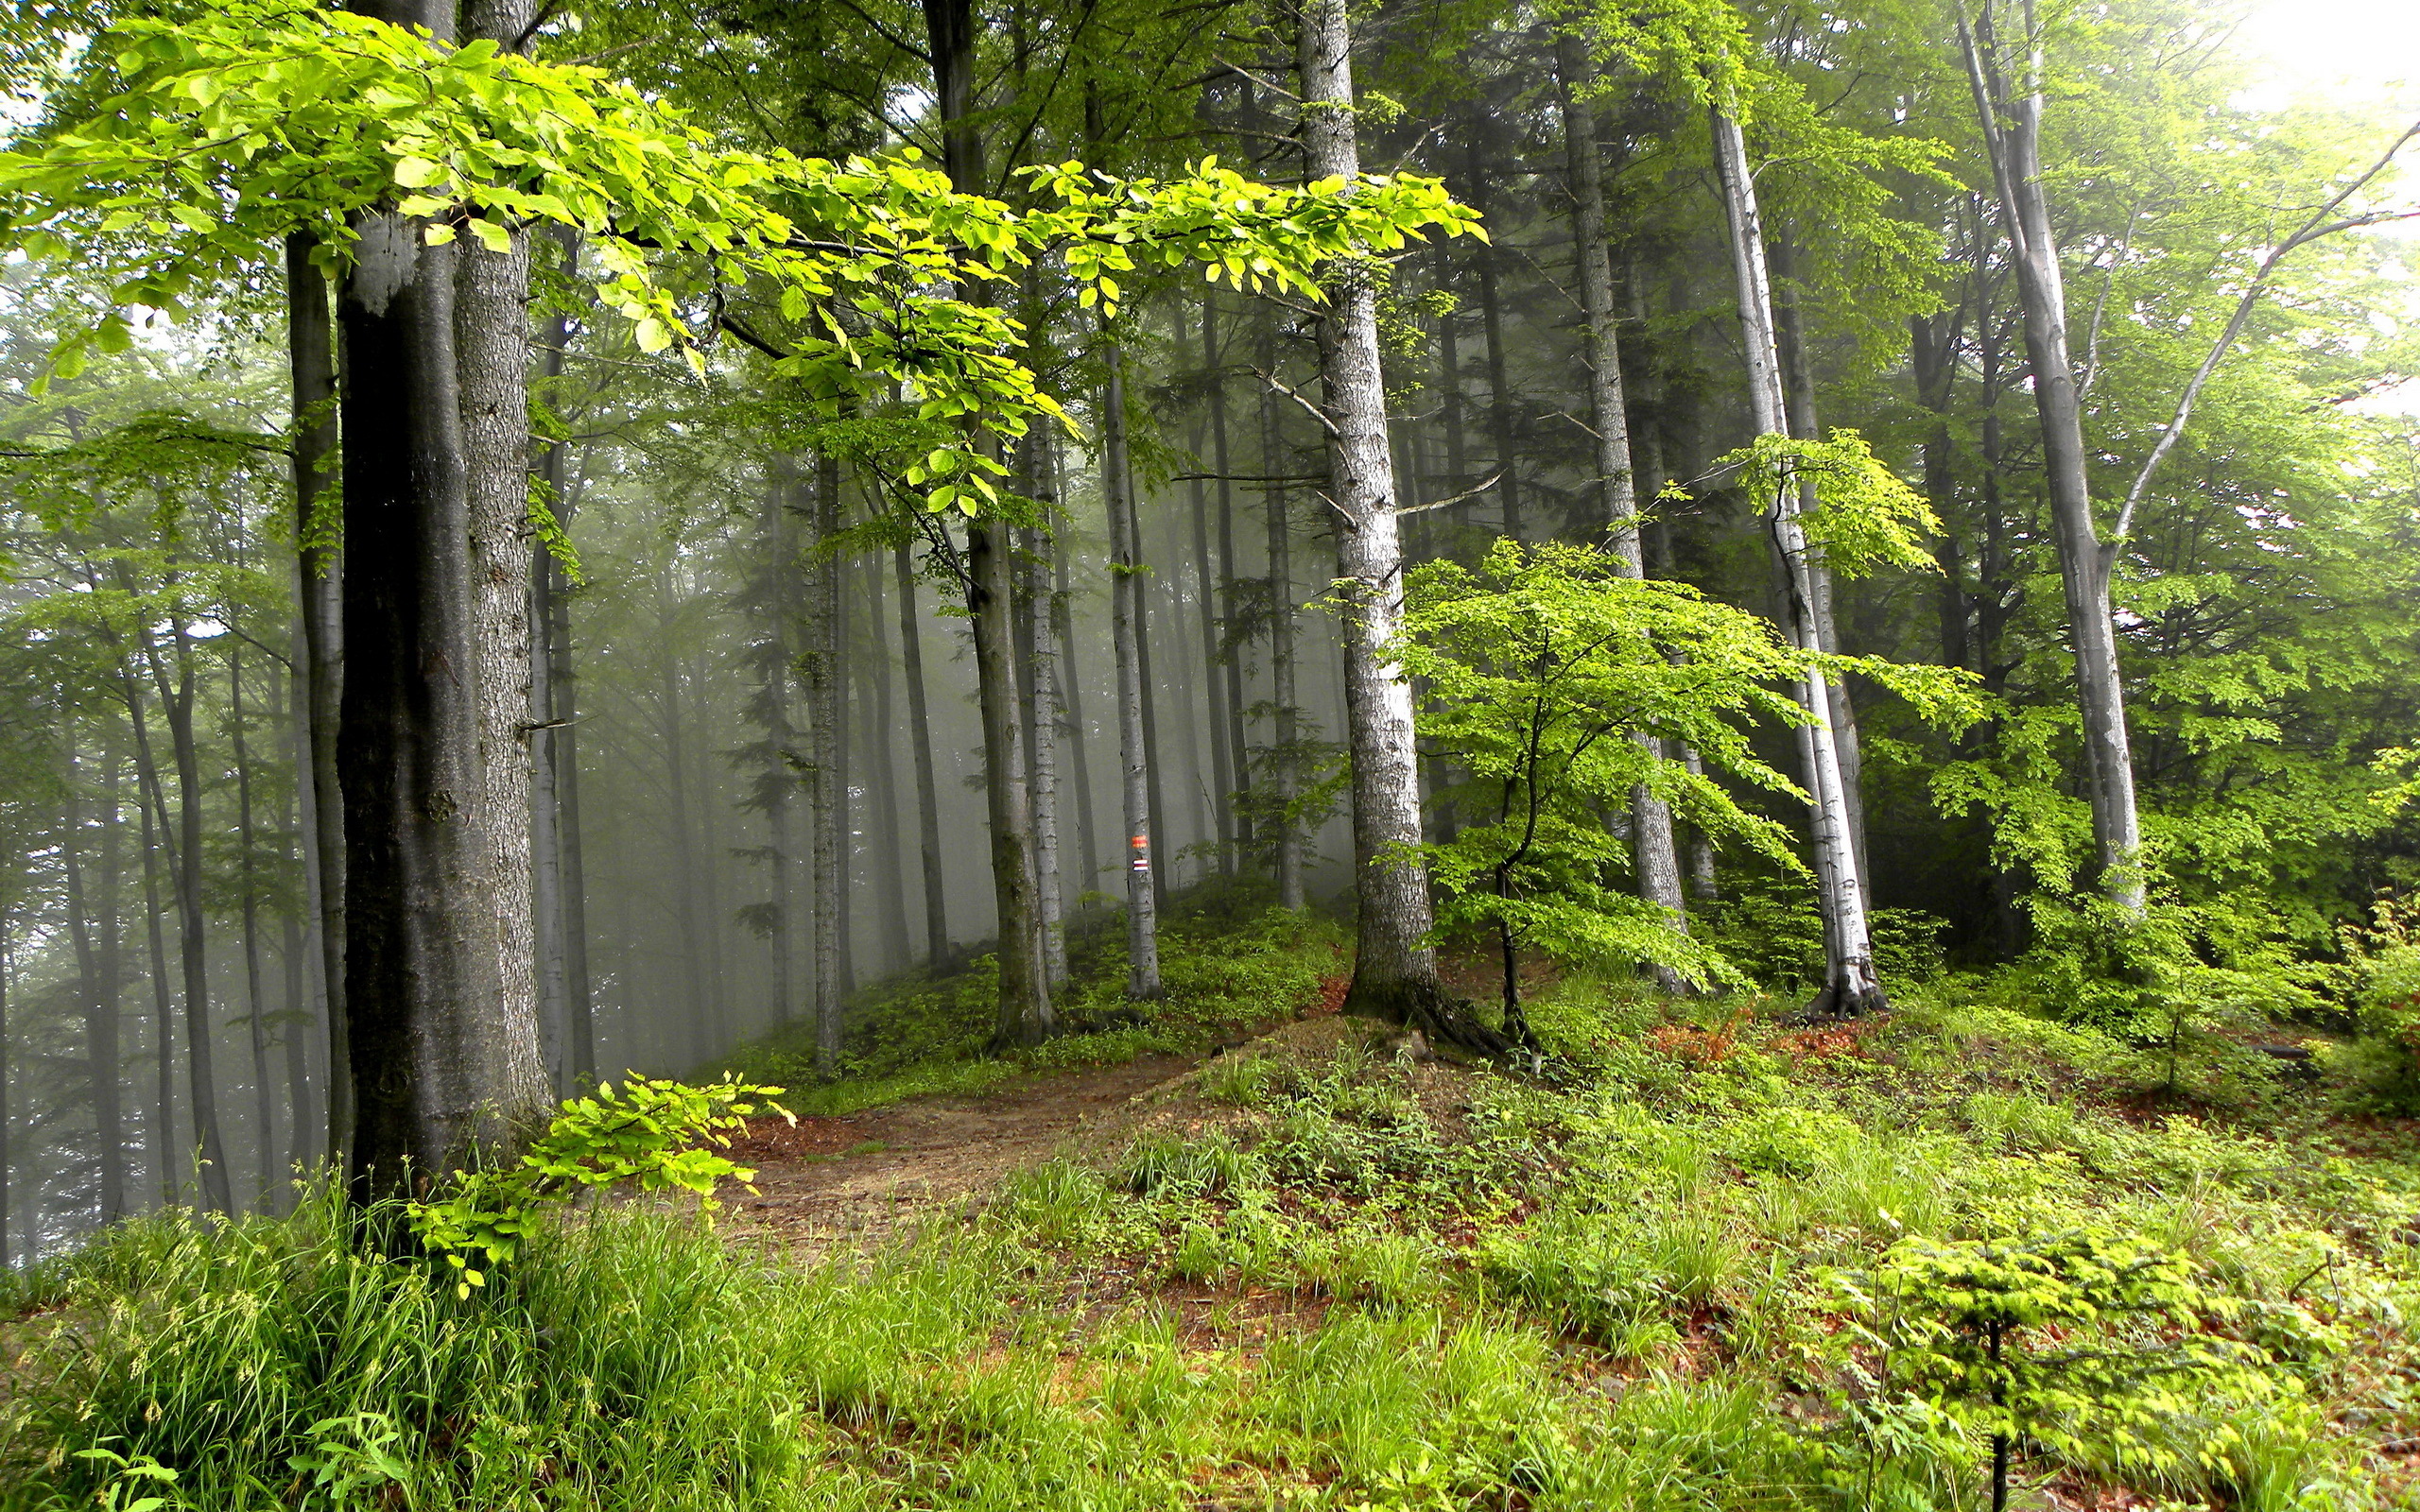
[1256, 1255]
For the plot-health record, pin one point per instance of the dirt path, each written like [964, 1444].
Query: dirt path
[862, 1176]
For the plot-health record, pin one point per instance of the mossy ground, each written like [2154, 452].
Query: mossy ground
[1310, 1273]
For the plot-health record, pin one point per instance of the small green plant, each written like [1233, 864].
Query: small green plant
[130, 1477]
[2083, 1342]
[349, 1456]
[652, 1132]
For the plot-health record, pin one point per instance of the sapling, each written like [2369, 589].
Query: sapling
[2062, 1340]
[1536, 667]
[654, 1134]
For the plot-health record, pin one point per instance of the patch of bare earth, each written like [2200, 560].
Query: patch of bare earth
[863, 1176]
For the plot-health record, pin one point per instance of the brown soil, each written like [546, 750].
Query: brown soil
[864, 1175]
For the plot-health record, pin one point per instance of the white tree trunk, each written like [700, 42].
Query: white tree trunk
[1851, 985]
[1394, 970]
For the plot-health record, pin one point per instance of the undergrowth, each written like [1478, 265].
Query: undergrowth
[1714, 1262]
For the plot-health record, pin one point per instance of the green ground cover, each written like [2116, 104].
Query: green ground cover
[1709, 1262]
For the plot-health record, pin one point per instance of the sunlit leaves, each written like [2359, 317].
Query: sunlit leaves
[213, 138]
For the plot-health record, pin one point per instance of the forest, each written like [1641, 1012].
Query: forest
[1343, 754]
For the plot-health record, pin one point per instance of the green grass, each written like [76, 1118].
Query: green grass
[1325, 1279]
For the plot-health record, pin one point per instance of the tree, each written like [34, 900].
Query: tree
[366, 163]
[1394, 968]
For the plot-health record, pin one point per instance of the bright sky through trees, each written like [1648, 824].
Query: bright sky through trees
[2317, 44]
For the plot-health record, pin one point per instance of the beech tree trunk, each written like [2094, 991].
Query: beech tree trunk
[1223, 773]
[492, 353]
[1284, 734]
[434, 1076]
[311, 362]
[1072, 727]
[1658, 868]
[549, 936]
[163, 1027]
[1499, 386]
[184, 870]
[1798, 391]
[827, 790]
[2013, 137]
[1394, 970]
[882, 780]
[1127, 651]
[1232, 803]
[1044, 715]
[99, 998]
[1024, 1014]
[256, 1001]
[110, 906]
[1851, 985]
[920, 740]
[779, 779]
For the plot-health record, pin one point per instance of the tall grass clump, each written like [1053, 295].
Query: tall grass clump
[624, 1360]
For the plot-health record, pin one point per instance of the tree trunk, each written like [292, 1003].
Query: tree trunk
[1851, 985]
[1127, 648]
[264, 1109]
[1394, 970]
[920, 740]
[1222, 772]
[547, 912]
[433, 1077]
[298, 954]
[779, 779]
[1073, 730]
[2012, 136]
[1658, 868]
[1044, 714]
[1148, 697]
[1284, 734]
[185, 863]
[1232, 804]
[99, 994]
[163, 1029]
[1024, 1015]
[882, 780]
[1499, 386]
[1798, 391]
[827, 790]
[562, 756]
[492, 351]
[311, 361]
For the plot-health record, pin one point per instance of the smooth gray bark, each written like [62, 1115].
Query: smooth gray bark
[1851, 985]
[98, 997]
[1657, 868]
[491, 352]
[164, 1030]
[1284, 778]
[1233, 804]
[255, 1000]
[1072, 728]
[1798, 390]
[311, 362]
[1126, 649]
[882, 779]
[2012, 125]
[1394, 971]
[820, 678]
[920, 743]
